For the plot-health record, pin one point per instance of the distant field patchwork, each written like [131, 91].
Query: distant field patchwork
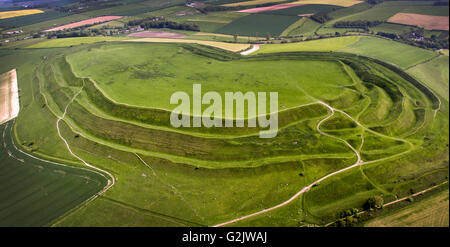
[383, 11]
[269, 8]
[390, 51]
[435, 74]
[66, 42]
[343, 3]
[85, 22]
[259, 25]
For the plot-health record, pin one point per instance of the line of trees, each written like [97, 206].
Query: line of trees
[388, 35]
[71, 34]
[170, 25]
[156, 22]
[356, 24]
[434, 42]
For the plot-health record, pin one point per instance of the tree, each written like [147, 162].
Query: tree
[320, 17]
[374, 202]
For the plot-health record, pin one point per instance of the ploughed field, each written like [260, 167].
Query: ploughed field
[35, 192]
[118, 115]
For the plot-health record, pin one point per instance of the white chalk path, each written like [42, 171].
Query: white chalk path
[250, 51]
[111, 181]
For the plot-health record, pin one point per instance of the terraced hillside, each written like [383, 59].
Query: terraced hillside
[359, 127]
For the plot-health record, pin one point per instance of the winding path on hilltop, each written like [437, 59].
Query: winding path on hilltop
[359, 162]
[111, 181]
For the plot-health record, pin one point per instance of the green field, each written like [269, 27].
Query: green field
[306, 28]
[394, 52]
[259, 25]
[207, 22]
[35, 193]
[109, 24]
[434, 74]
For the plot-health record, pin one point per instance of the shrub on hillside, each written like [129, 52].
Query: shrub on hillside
[374, 202]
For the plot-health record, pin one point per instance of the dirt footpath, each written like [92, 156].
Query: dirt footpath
[429, 22]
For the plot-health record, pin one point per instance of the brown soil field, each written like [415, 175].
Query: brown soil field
[270, 8]
[157, 34]
[429, 22]
[85, 22]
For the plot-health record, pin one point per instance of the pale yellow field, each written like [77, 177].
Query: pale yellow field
[343, 3]
[431, 212]
[10, 14]
[222, 45]
[330, 44]
[253, 2]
